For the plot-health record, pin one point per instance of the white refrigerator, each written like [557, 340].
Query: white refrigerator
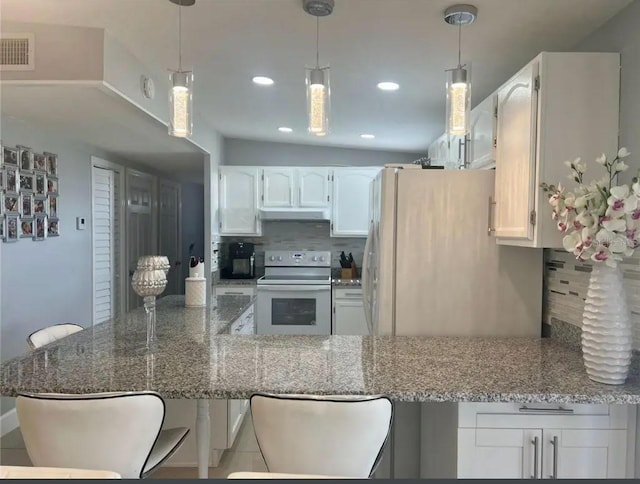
[431, 266]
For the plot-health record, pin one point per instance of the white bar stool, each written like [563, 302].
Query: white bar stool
[120, 432]
[20, 472]
[326, 436]
[52, 333]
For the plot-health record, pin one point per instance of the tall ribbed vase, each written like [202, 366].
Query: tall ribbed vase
[606, 327]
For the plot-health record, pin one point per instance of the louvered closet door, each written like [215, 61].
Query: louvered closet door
[106, 253]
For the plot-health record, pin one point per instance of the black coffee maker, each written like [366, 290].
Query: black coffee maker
[241, 261]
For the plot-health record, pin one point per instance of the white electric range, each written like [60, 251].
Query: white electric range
[294, 295]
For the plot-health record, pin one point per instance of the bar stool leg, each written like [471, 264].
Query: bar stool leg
[203, 437]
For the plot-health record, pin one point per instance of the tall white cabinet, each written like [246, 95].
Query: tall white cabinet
[239, 197]
[350, 201]
[482, 136]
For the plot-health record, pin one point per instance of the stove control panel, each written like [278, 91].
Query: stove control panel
[286, 258]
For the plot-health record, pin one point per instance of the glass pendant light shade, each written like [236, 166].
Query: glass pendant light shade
[458, 101]
[318, 100]
[180, 103]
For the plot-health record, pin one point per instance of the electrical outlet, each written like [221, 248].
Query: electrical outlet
[81, 223]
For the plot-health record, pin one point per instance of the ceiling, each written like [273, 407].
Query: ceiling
[365, 41]
[120, 129]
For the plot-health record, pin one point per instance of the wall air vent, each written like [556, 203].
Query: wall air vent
[17, 52]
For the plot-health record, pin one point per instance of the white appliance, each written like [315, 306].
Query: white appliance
[431, 266]
[294, 295]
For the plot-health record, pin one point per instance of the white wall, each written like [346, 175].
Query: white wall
[248, 152]
[622, 34]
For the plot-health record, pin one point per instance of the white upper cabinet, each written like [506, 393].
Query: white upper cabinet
[291, 187]
[559, 107]
[239, 195]
[350, 201]
[278, 187]
[482, 134]
[313, 187]
[516, 126]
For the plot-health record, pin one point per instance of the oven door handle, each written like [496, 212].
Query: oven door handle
[293, 288]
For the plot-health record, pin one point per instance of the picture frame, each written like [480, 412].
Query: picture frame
[41, 184]
[12, 224]
[53, 227]
[3, 229]
[26, 228]
[52, 185]
[25, 157]
[27, 181]
[39, 205]
[26, 205]
[12, 181]
[10, 156]
[11, 204]
[40, 228]
[52, 210]
[2, 179]
[52, 163]
[39, 163]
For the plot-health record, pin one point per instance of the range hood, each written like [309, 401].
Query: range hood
[294, 214]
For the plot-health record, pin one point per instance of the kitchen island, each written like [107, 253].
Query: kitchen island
[196, 358]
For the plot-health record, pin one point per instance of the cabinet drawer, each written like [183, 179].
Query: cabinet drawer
[235, 290]
[347, 293]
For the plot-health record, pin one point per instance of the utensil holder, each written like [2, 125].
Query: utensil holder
[349, 272]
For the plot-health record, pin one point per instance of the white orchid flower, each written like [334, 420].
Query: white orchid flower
[614, 225]
[585, 219]
[636, 189]
[571, 242]
[621, 201]
[568, 164]
[620, 166]
[602, 159]
[581, 167]
[623, 152]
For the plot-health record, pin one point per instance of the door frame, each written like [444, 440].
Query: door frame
[119, 172]
[177, 185]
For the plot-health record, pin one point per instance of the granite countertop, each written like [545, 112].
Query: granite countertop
[237, 282]
[339, 282]
[194, 359]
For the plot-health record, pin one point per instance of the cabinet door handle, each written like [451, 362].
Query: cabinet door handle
[547, 411]
[554, 442]
[490, 229]
[536, 457]
[232, 293]
[299, 195]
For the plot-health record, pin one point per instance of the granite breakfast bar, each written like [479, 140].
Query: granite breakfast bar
[196, 358]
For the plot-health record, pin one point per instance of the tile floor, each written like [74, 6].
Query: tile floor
[243, 456]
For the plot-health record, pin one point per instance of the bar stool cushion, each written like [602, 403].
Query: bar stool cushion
[20, 472]
[52, 333]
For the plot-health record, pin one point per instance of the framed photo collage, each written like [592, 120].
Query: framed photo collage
[29, 191]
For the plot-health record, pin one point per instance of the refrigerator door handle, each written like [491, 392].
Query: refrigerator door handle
[365, 280]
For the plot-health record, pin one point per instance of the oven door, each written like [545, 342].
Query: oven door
[293, 309]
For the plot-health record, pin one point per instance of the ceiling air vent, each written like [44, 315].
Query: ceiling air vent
[16, 52]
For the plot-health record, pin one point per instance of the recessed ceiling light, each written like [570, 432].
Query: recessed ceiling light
[367, 136]
[262, 80]
[284, 129]
[388, 86]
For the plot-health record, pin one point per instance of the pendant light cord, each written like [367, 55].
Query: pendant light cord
[459, 44]
[317, 42]
[180, 37]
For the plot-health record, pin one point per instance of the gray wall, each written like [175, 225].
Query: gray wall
[248, 152]
[622, 34]
[192, 223]
[566, 280]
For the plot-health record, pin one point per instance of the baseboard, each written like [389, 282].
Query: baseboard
[8, 422]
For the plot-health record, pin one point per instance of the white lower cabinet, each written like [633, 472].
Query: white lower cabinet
[533, 441]
[348, 312]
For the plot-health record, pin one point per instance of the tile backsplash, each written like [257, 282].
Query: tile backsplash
[298, 235]
[566, 283]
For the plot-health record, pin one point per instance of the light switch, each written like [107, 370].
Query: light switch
[81, 223]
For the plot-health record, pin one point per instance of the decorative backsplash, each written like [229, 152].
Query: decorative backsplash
[298, 235]
[566, 282]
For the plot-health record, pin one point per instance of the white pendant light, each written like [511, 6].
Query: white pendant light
[181, 88]
[459, 79]
[317, 78]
